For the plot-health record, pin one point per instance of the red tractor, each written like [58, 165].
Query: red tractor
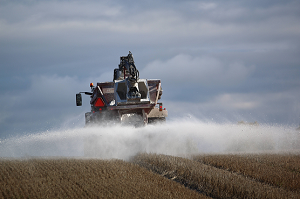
[126, 98]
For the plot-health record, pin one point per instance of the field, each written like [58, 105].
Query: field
[75, 178]
[153, 176]
[230, 176]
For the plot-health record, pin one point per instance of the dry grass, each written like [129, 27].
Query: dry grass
[217, 176]
[212, 181]
[281, 170]
[73, 178]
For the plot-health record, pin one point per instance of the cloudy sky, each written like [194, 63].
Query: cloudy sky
[218, 60]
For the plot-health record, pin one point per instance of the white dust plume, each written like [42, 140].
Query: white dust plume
[178, 137]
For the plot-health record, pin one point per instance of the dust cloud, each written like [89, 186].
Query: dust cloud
[178, 137]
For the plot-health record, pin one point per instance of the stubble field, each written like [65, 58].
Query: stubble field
[154, 176]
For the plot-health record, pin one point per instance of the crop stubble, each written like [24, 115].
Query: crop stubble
[209, 180]
[217, 176]
[74, 178]
[280, 170]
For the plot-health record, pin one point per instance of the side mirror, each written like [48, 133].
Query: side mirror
[78, 99]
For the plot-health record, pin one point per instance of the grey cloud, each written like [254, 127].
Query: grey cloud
[208, 71]
[160, 22]
[243, 55]
[156, 26]
[233, 107]
[47, 103]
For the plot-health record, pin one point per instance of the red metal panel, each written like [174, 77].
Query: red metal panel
[108, 90]
[153, 86]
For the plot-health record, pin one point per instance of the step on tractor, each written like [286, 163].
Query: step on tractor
[127, 99]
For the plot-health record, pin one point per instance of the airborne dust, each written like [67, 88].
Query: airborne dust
[180, 137]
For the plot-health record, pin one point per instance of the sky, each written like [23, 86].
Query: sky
[221, 61]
